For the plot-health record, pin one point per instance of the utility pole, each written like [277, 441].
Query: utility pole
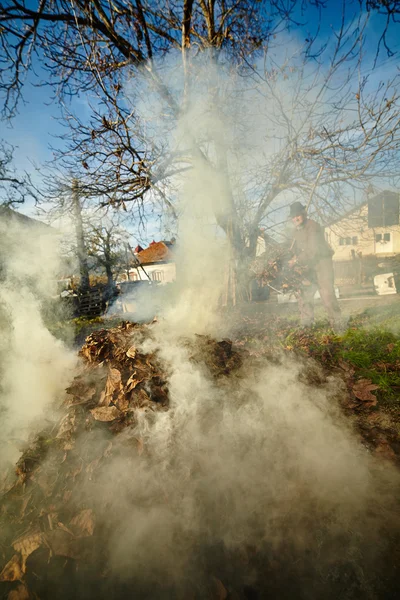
[80, 239]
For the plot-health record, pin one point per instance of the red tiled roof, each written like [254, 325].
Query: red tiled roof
[156, 252]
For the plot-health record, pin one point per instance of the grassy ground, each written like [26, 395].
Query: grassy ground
[368, 346]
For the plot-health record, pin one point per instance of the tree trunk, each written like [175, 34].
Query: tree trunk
[80, 239]
[236, 284]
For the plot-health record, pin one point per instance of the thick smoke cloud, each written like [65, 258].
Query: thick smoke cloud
[256, 479]
[262, 464]
[35, 367]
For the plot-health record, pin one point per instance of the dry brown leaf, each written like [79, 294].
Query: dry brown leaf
[114, 379]
[132, 383]
[113, 384]
[21, 593]
[103, 400]
[362, 390]
[131, 352]
[105, 413]
[347, 367]
[26, 544]
[122, 402]
[83, 522]
[13, 570]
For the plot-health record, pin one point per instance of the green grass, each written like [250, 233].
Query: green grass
[364, 347]
[370, 350]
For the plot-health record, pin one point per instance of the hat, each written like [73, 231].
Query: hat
[297, 209]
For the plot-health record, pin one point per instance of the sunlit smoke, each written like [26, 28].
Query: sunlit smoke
[35, 367]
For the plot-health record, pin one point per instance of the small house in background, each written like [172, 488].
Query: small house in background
[372, 229]
[363, 237]
[155, 263]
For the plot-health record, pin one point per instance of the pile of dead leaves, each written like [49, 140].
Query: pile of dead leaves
[45, 523]
[276, 270]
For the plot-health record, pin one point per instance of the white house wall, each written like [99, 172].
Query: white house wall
[356, 226]
[162, 272]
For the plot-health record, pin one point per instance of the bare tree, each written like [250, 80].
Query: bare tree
[94, 46]
[15, 187]
[91, 237]
[106, 244]
[390, 9]
[332, 134]
[81, 249]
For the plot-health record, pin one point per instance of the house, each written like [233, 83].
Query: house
[155, 262]
[363, 237]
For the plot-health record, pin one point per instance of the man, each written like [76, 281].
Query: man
[312, 252]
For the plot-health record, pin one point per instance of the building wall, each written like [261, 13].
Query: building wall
[353, 234]
[162, 272]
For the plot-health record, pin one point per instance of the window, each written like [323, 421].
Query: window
[157, 276]
[348, 241]
[382, 237]
[383, 210]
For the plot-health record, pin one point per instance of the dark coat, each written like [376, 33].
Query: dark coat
[310, 244]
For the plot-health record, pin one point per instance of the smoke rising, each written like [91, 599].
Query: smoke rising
[254, 478]
[260, 466]
[256, 467]
[35, 367]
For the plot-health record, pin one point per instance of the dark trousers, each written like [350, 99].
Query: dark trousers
[324, 282]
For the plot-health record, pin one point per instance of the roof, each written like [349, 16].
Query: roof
[358, 208]
[8, 213]
[156, 252]
[349, 213]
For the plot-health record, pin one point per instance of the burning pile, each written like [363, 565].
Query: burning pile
[44, 522]
[134, 493]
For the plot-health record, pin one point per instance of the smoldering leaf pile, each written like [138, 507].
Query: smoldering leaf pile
[41, 508]
[177, 470]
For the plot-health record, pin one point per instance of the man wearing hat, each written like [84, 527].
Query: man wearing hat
[313, 252]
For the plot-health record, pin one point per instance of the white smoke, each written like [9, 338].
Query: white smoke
[259, 460]
[35, 367]
[256, 462]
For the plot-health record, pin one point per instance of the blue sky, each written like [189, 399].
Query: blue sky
[35, 128]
